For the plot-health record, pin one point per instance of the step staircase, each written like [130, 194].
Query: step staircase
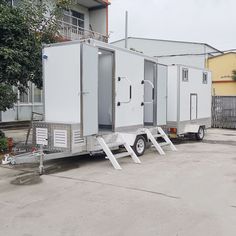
[113, 157]
[159, 133]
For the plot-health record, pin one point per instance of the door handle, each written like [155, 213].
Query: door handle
[130, 90]
[83, 93]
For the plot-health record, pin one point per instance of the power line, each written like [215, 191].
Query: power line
[196, 54]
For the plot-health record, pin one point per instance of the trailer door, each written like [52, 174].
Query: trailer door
[89, 90]
[149, 92]
[193, 106]
[161, 100]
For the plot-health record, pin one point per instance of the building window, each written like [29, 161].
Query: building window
[77, 19]
[185, 75]
[204, 77]
[27, 96]
[37, 95]
[74, 18]
[32, 95]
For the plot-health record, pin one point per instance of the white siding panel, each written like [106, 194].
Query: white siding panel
[172, 93]
[195, 86]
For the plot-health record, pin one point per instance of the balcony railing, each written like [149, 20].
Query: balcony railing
[74, 32]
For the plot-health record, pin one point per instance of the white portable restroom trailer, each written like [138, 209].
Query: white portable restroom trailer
[189, 101]
[99, 97]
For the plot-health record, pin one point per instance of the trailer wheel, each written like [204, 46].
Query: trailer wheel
[200, 134]
[139, 145]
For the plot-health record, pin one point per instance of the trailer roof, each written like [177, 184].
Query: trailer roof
[102, 45]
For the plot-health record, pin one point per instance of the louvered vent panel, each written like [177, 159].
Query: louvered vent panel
[42, 136]
[60, 138]
[76, 137]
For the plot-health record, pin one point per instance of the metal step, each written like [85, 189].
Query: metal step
[164, 144]
[112, 145]
[158, 135]
[113, 157]
[122, 154]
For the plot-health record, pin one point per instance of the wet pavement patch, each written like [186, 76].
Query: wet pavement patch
[27, 179]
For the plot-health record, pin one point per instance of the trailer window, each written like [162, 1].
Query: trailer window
[185, 75]
[204, 78]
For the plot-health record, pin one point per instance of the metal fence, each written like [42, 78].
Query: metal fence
[75, 32]
[224, 112]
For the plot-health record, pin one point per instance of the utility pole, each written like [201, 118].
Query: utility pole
[126, 29]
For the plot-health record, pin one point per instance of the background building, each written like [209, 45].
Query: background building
[84, 19]
[190, 53]
[222, 67]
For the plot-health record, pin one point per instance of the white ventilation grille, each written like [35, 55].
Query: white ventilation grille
[77, 138]
[60, 138]
[42, 136]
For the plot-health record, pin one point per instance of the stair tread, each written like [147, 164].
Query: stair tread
[122, 154]
[158, 135]
[115, 144]
[164, 144]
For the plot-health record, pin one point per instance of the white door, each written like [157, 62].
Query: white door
[193, 106]
[89, 90]
[149, 92]
[161, 103]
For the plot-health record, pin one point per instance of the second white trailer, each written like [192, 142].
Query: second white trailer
[189, 101]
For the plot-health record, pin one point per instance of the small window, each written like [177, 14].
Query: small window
[77, 19]
[204, 78]
[185, 75]
[37, 95]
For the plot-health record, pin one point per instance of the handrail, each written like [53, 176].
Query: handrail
[130, 89]
[74, 32]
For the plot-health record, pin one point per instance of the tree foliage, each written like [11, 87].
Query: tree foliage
[7, 97]
[23, 30]
[234, 75]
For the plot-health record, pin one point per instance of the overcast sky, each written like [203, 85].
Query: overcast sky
[208, 21]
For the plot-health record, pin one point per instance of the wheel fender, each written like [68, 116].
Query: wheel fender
[129, 138]
[191, 128]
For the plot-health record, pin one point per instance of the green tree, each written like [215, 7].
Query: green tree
[234, 75]
[7, 97]
[23, 30]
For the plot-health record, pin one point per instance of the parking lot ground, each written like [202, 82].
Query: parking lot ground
[188, 192]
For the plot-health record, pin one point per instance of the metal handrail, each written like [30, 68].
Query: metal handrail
[130, 88]
[73, 32]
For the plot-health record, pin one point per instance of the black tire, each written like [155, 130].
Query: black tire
[200, 134]
[139, 146]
